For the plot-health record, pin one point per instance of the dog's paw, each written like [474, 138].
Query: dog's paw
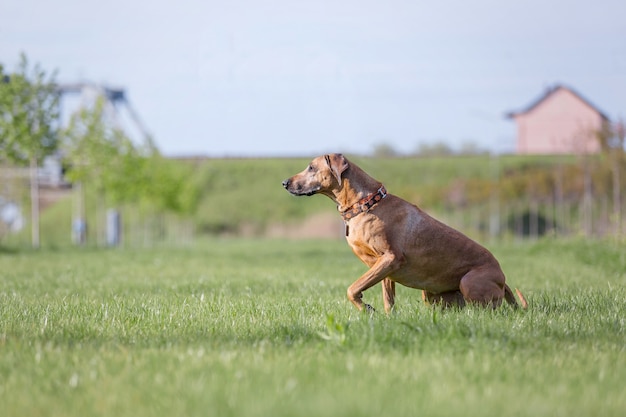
[369, 309]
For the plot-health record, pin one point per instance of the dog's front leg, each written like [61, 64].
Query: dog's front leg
[389, 294]
[384, 266]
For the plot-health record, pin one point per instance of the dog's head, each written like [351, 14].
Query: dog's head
[323, 174]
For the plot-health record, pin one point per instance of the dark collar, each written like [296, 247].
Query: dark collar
[364, 204]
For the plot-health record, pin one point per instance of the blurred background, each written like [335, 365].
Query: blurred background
[133, 123]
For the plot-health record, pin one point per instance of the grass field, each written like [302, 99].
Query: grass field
[263, 328]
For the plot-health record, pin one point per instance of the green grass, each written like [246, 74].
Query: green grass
[258, 328]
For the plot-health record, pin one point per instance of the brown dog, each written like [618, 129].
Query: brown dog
[401, 243]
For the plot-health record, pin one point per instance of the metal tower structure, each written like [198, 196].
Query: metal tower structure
[117, 105]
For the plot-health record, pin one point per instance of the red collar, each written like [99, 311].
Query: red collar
[364, 204]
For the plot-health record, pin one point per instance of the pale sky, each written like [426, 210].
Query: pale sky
[302, 77]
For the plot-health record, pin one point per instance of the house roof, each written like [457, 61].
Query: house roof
[551, 90]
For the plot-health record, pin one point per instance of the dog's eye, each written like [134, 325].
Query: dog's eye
[311, 169]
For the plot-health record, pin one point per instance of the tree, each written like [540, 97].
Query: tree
[384, 150]
[99, 156]
[28, 132]
[612, 140]
[120, 171]
[439, 148]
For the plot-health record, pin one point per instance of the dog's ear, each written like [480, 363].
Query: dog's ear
[338, 164]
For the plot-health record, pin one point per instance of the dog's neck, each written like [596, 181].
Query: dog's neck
[355, 186]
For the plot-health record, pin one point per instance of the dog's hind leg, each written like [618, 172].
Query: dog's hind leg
[484, 286]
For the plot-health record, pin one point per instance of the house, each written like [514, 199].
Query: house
[561, 121]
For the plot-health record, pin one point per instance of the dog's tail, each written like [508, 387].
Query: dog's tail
[510, 298]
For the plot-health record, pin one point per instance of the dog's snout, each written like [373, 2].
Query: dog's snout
[286, 182]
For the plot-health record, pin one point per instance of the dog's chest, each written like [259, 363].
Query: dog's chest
[366, 245]
[364, 252]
